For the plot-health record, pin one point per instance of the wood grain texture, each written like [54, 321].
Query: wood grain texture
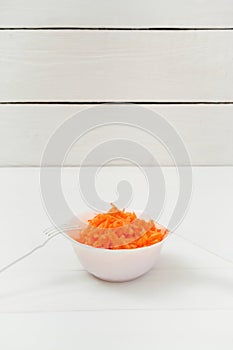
[73, 291]
[117, 330]
[122, 13]
[206, 131]
[119, 66]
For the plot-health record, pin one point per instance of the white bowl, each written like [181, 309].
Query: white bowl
[116, 265]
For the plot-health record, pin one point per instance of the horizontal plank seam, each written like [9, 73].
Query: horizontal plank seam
[78, 165]
[118, 309]
[116, 102]
[122, 28]
[157, 269]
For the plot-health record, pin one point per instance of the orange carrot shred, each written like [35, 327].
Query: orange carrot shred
[118, 229]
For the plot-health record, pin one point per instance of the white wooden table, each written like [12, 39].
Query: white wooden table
[49, 302]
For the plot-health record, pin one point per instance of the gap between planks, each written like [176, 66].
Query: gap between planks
[122, 28]
[116, 102]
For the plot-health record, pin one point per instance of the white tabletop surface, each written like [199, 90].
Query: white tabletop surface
[49, 302]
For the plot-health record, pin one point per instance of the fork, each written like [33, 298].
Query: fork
[49, 233]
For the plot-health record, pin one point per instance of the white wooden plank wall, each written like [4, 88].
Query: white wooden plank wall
[206, 131]
[177, 53]
[116, 66]
[116, 14]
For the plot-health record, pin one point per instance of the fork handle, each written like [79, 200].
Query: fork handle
[22, 257]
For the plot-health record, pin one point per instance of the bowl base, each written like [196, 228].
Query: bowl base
[119, 280]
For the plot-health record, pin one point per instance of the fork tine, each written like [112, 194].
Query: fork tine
[54, 230]
[57, 230]
[53, 233]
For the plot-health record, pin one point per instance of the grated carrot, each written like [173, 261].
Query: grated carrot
[118, 229]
